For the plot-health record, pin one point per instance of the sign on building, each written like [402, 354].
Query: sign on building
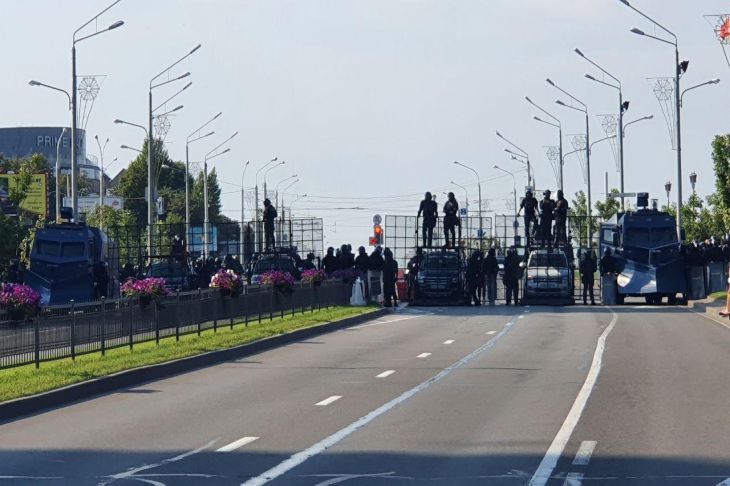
[37, 200]
[88, 203]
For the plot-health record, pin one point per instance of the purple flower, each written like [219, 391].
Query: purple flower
[277, 278]
[226, 279]
[313, 276]
[19, 297]
[146, 287]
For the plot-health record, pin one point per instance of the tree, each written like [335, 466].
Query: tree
[608, 208]
[214, 196]
[721, 161]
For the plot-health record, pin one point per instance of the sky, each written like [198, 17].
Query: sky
[369, 102]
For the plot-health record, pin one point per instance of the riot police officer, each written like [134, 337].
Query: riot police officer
[561, 216]
[451, 219]
[529, 204]
[547, 207]
[511, 275]
[429, 209]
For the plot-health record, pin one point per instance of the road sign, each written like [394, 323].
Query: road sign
[377, 219]
[463, 211]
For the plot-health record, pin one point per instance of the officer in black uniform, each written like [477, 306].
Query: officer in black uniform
[529, 204]
[561, 216]
[510, 277]
[390, 276]
[547, 206]
[429, 209]
[451, 219]
[473, 276]
[414, 266]
[269, 217]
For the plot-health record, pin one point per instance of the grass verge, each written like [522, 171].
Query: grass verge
[722, 295]
[26, 380]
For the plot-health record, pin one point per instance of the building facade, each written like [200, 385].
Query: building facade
[17, 142]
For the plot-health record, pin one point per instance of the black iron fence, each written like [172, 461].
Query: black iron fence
[75, 329]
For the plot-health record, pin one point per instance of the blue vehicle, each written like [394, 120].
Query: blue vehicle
[646, 254]
[63, 260]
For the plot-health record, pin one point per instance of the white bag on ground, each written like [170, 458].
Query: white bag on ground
[358, 293]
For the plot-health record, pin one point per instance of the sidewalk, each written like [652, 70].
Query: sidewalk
[710, 308]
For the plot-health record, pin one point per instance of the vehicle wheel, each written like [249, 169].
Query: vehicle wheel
[672, 300]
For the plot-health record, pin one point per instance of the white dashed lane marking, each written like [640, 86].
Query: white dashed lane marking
[491, 332]
[449, 341]
[385, 374]
[573, 479]
[423, 355]
[327, 401]
[585, 451]
[237, 444]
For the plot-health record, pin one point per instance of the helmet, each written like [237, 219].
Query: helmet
[547, 192]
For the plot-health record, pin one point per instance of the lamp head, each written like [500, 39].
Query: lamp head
[116, 24]
[625, 2]
[683, 66]
[117, 121]
[219, 114]
[560, 103]
[668, 186]
[184, 75]
[715, 81]
[527, 98]
[577, 51]
[457, 162]
[495, 166]
[196, 48]
[274, 159]
[550, 82]
[649, 117]
[637, 31]
[537, 118]
[33, 82]
[588, 76]
[179, 107]
[498, 134]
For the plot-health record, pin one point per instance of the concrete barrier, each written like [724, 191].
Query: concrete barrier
[608, 289]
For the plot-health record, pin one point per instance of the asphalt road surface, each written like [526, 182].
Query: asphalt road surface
[435, 396]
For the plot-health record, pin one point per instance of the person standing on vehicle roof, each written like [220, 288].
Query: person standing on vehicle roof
[451, 219]
[269, 217]
[547, 207]
[390, 276]
[430, 212]
[561, 217]
[490, 268]
[587, 271]
[529, 204]
[511, 275]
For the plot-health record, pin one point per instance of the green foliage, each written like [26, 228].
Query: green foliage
[104, 216]
[608, 208]
[26, 245]
[11, 235]
[721, 160]
[26, 380]
[214, 196]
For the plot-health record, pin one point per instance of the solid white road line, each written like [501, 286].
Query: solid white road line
[327, 401]
[548, 463]
[321, 446]
[573, 479]
[385, 374]
[491, 332]
[585, 451]
[423, 355]
[237, 444]
[449, 341]
[717, 321]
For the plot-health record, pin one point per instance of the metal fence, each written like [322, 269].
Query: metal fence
[75, 329]
[304, 234]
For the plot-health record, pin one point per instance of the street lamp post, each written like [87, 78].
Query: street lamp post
[679, 70]
[118, 23]
[622, 108]
[514, 185]
[206, 203]
[58, 176]
[101, 167]
[193, 137]
[557, 125]
[150, 139]
[668, 189]
[266, 172]
[243, 205]
[583, 110]
[466, 194]
[521, 154]
[479, 188]
[257, 236]
[149, 182]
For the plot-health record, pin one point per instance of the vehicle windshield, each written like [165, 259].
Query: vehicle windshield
[440, 262]
[47, 248]
[165, 270]
[268, 264]
[650, 237]
[547, 260]
[72, 250]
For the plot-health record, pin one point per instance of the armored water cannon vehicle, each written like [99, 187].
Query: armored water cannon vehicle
[66, 261]
[646, 254]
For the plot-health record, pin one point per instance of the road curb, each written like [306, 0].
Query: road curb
[41, 402]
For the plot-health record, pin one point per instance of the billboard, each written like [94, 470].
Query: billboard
[88, 203]
[37, 200]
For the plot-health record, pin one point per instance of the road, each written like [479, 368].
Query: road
[437, 396]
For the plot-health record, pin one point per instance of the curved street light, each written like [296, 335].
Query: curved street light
[557, 125]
